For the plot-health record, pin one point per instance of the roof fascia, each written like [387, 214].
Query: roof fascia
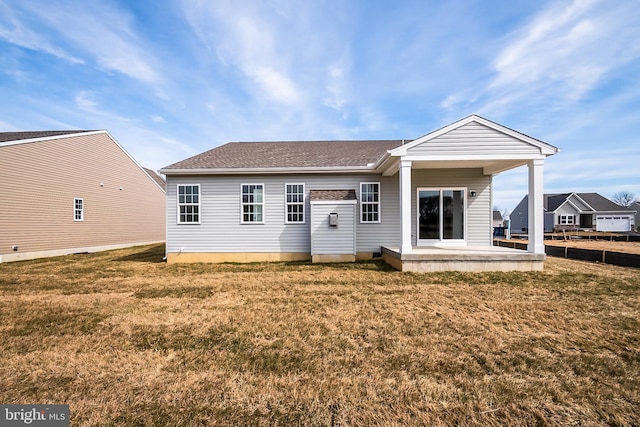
[545, 149]
[261, 171]
[333, 202]
[49, 138]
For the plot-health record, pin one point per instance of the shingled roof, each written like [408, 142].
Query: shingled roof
[332, 194]
[596, 201]
[17, 136]
[289, 154]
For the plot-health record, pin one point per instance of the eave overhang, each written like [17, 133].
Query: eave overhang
[262, 171]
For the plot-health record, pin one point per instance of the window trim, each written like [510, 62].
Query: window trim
[242, 204]
[75, 209]
[378, 203]
[287, 203]
[198, 204]
[563, 219]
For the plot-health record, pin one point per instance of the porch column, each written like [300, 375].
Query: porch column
[405, 206]
[536, 207]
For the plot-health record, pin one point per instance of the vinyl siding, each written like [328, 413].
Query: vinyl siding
[479, 209]
[474, 139]
[41, 179]
[220, 229]
[326, 240]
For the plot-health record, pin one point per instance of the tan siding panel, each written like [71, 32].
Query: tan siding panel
[41, 179]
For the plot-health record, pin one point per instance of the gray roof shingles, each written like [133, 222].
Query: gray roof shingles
[289, 154]
[595, 200]
[332, 194]
[17, 136]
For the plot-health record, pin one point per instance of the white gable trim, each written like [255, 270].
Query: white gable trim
[545, 149]
[50, 138]
[567, 200]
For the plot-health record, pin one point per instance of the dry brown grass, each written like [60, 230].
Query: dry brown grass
[128, 340]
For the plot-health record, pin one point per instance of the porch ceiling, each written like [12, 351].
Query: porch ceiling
[488, 166]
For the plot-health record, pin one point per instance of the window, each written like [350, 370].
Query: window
[369, 202]
[189, 204]
[567, 220]
[78, 209]
[252, 204]
[294, 203]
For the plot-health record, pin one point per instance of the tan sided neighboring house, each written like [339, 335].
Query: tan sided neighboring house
[74, 191]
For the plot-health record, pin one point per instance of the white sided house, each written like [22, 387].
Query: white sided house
[67, 192]
[423, 205]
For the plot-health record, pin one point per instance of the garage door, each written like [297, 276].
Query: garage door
[613, 223]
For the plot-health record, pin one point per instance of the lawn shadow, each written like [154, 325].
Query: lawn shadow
[154, 254]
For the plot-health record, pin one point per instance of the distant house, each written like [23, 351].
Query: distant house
[498, 220]
[423, 205]
[576, 211]
[74, 191]
[636, 207]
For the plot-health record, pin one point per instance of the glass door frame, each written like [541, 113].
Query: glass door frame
[442, 241]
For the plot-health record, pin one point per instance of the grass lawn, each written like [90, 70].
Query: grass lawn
[127, 340]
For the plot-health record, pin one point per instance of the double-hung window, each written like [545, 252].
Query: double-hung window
[189, 204]
[78, 209]
[369, 202]
[252, 201]
[294, 203]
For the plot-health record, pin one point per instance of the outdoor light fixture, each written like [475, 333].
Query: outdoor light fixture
[472, 193]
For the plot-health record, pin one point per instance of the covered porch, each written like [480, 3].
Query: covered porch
[446, 198]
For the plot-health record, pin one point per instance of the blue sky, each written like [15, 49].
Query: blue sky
[171, 79]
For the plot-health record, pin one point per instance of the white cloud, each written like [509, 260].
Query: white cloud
[245, 38]
[84, 101]
[14, 31]
[158, 119]
[557, 59]
[96, 30]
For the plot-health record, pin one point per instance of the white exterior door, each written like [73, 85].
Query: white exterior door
[613, 223]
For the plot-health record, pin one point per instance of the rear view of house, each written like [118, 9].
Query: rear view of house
[74, 191]
[423, 205]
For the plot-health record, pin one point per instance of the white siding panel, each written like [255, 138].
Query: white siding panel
[473, 139]
[328, 240]
[220, 229]
[479, 209]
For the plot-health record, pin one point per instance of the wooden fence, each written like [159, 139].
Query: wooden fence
[607, 257]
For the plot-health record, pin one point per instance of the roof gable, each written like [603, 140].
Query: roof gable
[581, 202]
[474, 137]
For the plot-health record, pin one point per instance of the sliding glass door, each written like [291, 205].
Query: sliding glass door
[441, 215]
